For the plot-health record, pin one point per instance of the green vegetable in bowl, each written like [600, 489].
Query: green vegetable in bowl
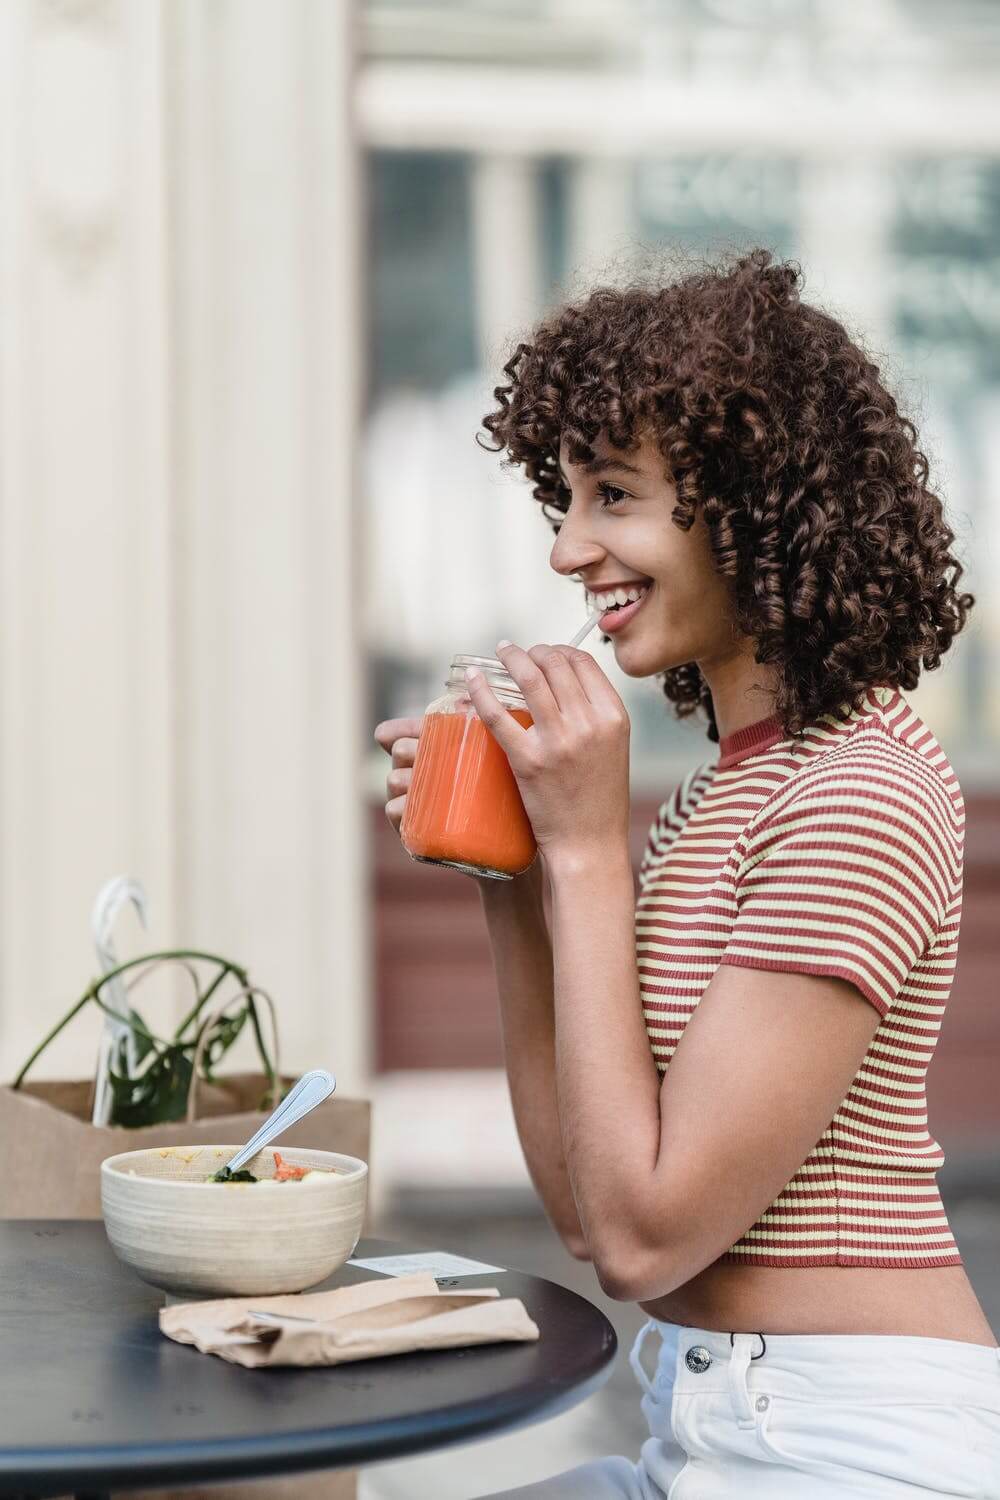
[224, 1175]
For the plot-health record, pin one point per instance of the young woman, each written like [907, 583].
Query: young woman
[720, 1089]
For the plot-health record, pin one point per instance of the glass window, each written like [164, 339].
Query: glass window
[420, 270]
[708, 204]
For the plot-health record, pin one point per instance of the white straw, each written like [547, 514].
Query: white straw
[585, 630]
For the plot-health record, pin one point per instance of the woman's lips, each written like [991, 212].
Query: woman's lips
[616, 619]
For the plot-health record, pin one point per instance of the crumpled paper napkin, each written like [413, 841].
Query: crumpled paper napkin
[388, 1315]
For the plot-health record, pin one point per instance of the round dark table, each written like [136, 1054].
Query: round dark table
[93, 1398]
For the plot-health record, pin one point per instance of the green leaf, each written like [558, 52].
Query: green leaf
[221, 1037]
[157, 1096]
[143, 1043]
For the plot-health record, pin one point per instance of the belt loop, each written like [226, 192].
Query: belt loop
[763, 1346]
[633, 1358]
[739, 1364]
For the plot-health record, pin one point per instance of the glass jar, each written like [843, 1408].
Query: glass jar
[463, 807]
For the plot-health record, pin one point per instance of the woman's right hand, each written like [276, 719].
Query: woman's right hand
[398, 738]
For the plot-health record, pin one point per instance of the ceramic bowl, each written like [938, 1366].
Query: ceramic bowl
[190, 1236]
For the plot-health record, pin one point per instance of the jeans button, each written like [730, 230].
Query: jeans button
[762, 1403]
[698, 1359]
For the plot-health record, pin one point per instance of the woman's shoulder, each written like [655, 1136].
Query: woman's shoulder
[882, 763]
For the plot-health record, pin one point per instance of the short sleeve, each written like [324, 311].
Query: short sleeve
[852, 877]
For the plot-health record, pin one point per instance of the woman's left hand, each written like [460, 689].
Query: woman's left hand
[572, 764]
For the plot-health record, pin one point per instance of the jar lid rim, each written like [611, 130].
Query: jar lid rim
[494, 671]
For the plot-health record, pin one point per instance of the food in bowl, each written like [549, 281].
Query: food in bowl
[166, 1219]
[283, 1172]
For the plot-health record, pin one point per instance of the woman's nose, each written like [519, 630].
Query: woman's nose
[573, 571]
[571, 554]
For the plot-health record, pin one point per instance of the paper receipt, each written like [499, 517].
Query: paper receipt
[435, 1262]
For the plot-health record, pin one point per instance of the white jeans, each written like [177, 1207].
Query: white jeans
[804, 1417]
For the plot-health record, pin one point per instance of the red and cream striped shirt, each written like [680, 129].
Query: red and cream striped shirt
[838, 854]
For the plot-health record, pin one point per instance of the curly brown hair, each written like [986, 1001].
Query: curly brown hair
[777, 425]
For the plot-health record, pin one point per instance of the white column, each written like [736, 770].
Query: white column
[181, 688]
[506, 251]
[601, 220]
[271, 702]
[86, 666]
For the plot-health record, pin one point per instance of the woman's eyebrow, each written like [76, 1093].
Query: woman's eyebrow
[603, 466]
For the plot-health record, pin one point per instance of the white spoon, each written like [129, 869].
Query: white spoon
[312, 1088]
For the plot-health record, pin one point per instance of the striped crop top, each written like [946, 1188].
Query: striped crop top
[836, 854]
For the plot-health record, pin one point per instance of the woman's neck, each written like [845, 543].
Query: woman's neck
[743, 692]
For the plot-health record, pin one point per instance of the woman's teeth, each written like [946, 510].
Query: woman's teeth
[616, 598]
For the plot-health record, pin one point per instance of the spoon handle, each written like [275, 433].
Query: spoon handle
[312, 1088]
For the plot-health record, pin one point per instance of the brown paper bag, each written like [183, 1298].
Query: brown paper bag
[53, 1154]
[51, 1170]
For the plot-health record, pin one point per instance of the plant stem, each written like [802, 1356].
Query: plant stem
[272, 1077]
[93, 993]
[227, 968]
[51, 1037]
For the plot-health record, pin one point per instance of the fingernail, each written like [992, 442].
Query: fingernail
[471, 672]
[502, 644]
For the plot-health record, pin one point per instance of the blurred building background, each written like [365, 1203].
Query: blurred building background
[260, 262]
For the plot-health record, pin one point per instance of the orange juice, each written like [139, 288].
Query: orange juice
[463, 807]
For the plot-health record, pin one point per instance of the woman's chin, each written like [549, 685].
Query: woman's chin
[635, 660]
[643, 659]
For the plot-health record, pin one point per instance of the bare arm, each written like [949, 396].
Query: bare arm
[522, 958]
[669, 1176]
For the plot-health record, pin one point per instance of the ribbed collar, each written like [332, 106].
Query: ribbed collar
[750, 740]
[767, 732]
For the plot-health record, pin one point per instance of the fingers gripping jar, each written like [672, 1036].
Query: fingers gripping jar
[463, 807]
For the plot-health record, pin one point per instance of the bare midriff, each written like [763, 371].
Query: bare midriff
[936, 1302]
[463, 805]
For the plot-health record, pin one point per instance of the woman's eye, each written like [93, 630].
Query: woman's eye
[612, 495]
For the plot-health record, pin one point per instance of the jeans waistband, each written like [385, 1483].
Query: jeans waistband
[843, 1367]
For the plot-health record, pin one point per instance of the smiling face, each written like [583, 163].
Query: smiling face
[618, 528]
